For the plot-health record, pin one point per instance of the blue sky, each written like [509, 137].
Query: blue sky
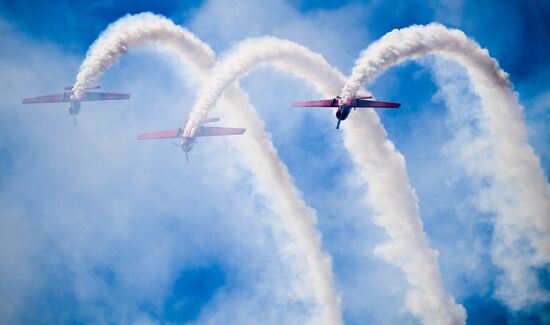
[95, 227]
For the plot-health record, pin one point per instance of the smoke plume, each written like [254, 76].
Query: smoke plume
[518, 191]
[379, 163]
[271, 174]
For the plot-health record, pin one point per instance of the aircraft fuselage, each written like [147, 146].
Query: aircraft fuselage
[344, 108]
[74, 107]
[343, 111]
[187, 143]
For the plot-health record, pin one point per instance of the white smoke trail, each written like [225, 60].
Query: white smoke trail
[135, 30]
[519, 193]
[380, 165]
[272, 176]
[247, 55]
[395, 204]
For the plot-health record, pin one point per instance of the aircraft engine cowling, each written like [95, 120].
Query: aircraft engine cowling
[342, 113]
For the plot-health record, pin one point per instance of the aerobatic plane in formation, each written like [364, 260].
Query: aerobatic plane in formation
[74, 105]
[188, 142]
[344, 108]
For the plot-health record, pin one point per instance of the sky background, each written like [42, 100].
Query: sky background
[98, 228]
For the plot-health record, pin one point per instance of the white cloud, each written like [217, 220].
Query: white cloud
[113, 220]
[117, 220]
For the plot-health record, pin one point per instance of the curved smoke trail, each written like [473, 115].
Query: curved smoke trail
[135, 30]
[379, 163]
[519, 193]
[271, 174]
[246, 55]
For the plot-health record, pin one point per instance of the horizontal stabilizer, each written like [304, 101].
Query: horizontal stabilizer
[210, 120]
[317, 103]
[87, 88]
[91, 96]
[209, 131]
[166, 134]
[376, 104]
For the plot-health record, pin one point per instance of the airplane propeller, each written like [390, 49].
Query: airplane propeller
[186, 153]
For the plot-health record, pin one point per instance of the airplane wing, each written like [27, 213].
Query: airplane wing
[375, 104]
[208, 131]
[317, 103]
[203, 131]
[66, 97]
[166, 134]
[55, 98]
[90, 96]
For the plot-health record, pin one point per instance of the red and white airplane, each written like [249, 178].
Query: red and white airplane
[344, 108]
[188, 142]
[74, 105]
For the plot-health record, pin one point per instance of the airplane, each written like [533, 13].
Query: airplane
[344, 109]
[74, 105]
[188, 142]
